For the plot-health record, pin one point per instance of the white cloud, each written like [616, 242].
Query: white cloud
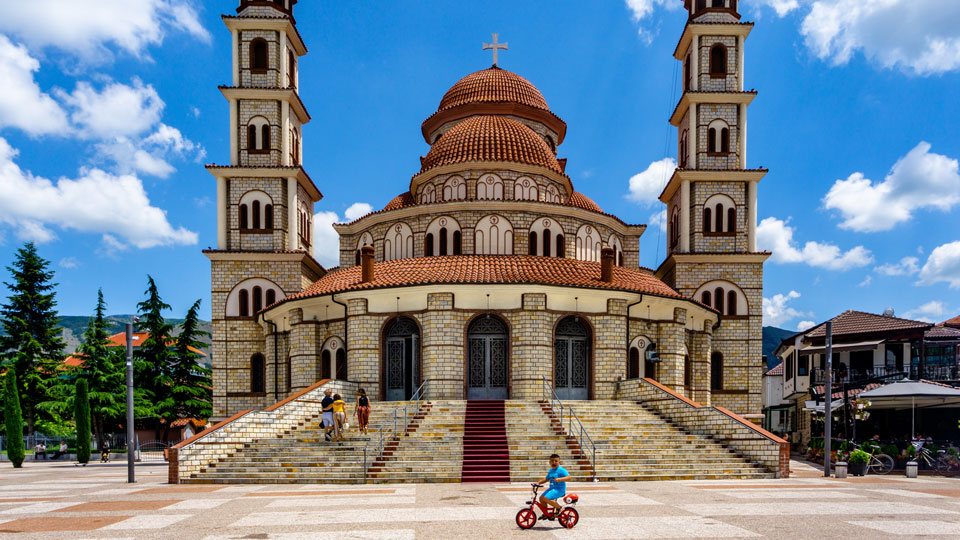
[803, 326]
[866, 281]
[930, 312]
[775, 235]
[943, 265]
[642, 9]
[782, 7]
[659, 219]
[917, 36]
[645, 187]
[95, 202]
[326, 241]
[907, 266]
[69, 262]
[22, 104]
[116, 110]
[776, 311]
[357, 210]
[918, 180]
[85, 29]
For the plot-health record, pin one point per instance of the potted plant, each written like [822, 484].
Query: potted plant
[858, 462]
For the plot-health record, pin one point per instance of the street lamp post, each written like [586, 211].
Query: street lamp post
[130, 439]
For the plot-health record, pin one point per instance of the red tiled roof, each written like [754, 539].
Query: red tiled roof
[490, 138]
[942, 332]
[481, 269]
[120, 340]
[400, 201]
[405, 199]
[775, 370]
[954, 322]
[859, 322]
[493, 85]
[582, 201]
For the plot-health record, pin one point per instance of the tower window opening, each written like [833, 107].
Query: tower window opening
[719, 218]
[533, 243]
[731, 220]
[725, 140]
[258, 55]
[443, 241]
[457, 243]
[243, 217]
[268, 216]
[731, 302]
[256, 214]
[705, 298]
[291, 70]
[707, 220]
[718, 299]
[712, 140]
[257, 299]
[546, 243]
[265, 137]
[561, 251]
[251, 137]
[675, 228]
[718, 61]
[716, 371]
[427, 245]
[244, 300]
[258, 370]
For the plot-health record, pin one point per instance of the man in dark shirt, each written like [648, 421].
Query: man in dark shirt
[327, 407]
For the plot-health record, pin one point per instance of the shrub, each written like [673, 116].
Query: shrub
[911, 451]
[870, 447]
[891, 450]
[13, 420]
[858, 457]
[82, 408]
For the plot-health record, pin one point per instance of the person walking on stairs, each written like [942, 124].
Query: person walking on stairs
[339, 417]
[362, 411]
[326, 405]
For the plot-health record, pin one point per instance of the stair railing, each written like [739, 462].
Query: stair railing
[415, 402]
[577, 430]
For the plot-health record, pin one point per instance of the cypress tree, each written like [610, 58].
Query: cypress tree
[152, 358]
[81, 403]
[33, 343]
[190, 390]
[13, 420]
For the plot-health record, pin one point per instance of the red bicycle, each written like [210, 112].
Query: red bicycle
[567, 516]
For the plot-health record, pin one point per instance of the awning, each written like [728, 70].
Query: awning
[817, 406]
[838, 347]
[910, 394]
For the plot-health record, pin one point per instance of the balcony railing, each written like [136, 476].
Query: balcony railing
[855, 376]
[936, 373]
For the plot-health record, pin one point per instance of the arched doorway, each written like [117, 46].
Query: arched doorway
[401, 359]
[571, 359]
[487, 359]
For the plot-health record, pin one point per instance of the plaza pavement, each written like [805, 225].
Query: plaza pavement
[61, 501]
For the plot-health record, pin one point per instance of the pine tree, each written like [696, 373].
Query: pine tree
[13, 420]
[190, 389]
[33, 342]
[82, 416]
[152, 358]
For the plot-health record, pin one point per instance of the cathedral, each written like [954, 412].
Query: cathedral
[488, 276]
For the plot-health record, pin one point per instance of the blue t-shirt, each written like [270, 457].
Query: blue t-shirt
[553, 474]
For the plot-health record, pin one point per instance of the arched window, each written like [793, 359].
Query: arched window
[398, 242]
[615, 243]
[716, 371]
[257, 299]
[633, 370]
[251, 137]
[490, 187]
[707, 220]
[256, 214]
[706, 298]
[244, 303]
[443, 231]
[718, 137]
[268, 216]
[533, 243]
[684, 149]
[325, 365]
[295, 147]
[428, 245]
[546, 243]
[525, 189]
[636, 360]
[712, 140]
[725, 140]
[333, 359]
[551, 194]
[271, 297]
[265, 137]
[731, 302]
[719, 206]
[258, 373]
[244, 224]
[366, 239]
[291, 69]
[724, 296]
[561, 247]
[549, 232]
[493, 235]
[731, 219]
[588, 244]
[258, 55]
[454, 189]
[718, 299]
[686, 74]
[718, 61]
[443, 241]
[258, 135]
[674, 228]
[341, 371]
[428, 194]
[457, 243]
[718, 218]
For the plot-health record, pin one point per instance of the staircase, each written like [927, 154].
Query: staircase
[635, 443]
[486, 456]
[533, 436]
[430, 453]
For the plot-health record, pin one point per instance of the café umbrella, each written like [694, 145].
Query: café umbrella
[913, 394]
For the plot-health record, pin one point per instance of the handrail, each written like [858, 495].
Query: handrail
[550, 394]
[415, 400]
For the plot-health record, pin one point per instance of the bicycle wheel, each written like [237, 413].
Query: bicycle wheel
[948, 466]
[569, 517]
[881, 464]
[526, 518]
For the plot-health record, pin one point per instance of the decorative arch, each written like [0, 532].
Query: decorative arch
[366, 239]
[251, 294]
[398, 242]
[684, 152]
[525, 189]
[572, 358]
[487, 358]
[589, 244]
[306, 224]
[725, 297]
[674, 227]
[401, 358]
[428, 194]
[637, 358]
[718, 137]
[493, 235]
[490, 187]
[256, 211]
[718, 60]
[454, 189]
[333, 360]
[551, 194]
[719, 214]
[258, 135]
[615, 243]
[547, 238]
[443, 237]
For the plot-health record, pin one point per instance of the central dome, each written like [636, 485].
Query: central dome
[491, 138]
[493, 85]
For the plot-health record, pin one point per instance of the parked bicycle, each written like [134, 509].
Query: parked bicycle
[879, 463]
[944, 463]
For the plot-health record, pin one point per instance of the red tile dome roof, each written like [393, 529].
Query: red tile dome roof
[491, 138]
[493, 85]
[582, 201]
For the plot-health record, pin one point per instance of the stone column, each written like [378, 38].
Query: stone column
[700, 357]
[670, 347]
[304, 351]
[363, 347]
[531, 347]
[610, 356]
[442, 358]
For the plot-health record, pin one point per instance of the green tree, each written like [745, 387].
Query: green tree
[33, 342]
[152, 359]
[189, 392]
[82, 415]
[13, 420]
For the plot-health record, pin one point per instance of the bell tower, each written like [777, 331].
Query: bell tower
[264, 205]
[712, 204]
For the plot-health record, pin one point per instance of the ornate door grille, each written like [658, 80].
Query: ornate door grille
[571, 359]
[402, 348]
[487, 360]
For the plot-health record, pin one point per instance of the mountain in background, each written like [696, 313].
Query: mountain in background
[772, 336]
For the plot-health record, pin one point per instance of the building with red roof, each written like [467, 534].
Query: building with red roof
[120, 340]
[489, 273]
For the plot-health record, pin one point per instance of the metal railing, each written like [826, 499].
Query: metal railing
[414, 404]
[577, 430]
[856, 376]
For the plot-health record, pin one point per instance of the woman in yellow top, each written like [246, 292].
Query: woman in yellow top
[339, 417]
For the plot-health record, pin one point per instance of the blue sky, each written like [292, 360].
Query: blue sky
[110, 109]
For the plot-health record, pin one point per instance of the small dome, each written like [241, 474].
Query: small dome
[491, 138]
[400, 201]
[582, 201]
[493, 85]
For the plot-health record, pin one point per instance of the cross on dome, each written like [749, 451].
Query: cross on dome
[495, 46]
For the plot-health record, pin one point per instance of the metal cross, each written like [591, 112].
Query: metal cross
[495, 46]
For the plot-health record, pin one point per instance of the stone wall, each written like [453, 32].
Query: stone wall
[746, 439]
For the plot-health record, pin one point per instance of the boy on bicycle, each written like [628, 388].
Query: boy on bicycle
[558, 477]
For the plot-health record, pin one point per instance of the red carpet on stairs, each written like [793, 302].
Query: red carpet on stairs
[486, 456]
